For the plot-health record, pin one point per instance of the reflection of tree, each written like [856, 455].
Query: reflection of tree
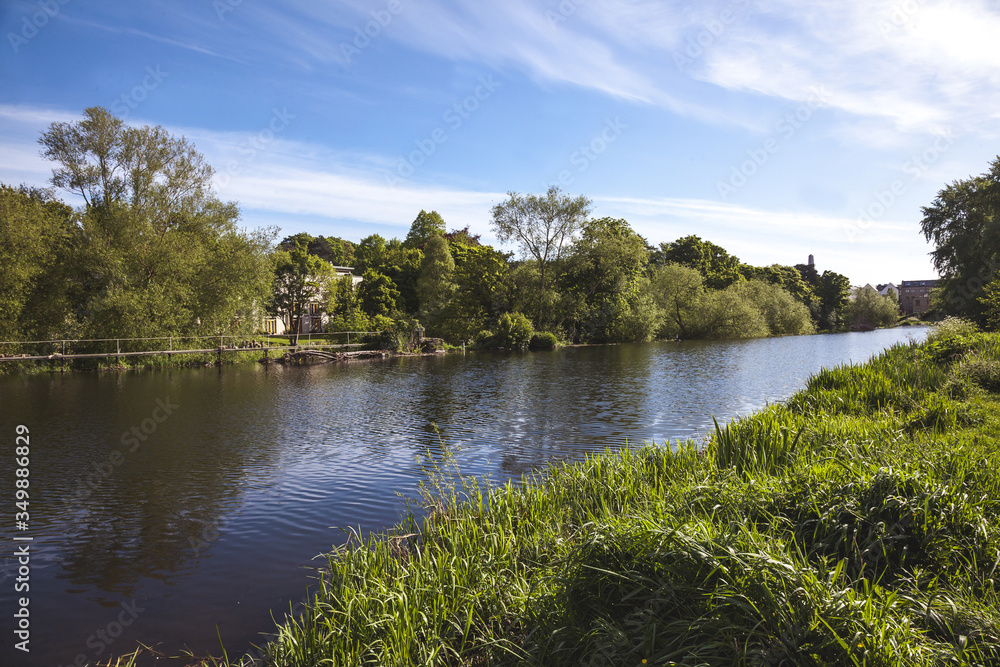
[163, 506]
[556, 406]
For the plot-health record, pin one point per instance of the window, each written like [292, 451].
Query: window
[314, 309]
[271, 326]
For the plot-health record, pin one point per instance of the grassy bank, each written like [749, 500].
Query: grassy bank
[854, 524]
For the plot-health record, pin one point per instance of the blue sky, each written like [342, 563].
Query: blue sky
[772, 128]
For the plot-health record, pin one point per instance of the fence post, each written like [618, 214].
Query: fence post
[118, 351]
[62, 367]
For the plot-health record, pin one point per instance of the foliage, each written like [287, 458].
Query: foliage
[602, 276]
[783, 314]
[424, 227]
[36, 240]
[869, 310]
[344, 307]
[717, 267]
[378, 293]
[480, 274]
[543, 340]
[435, 288]
[299, 279]
[833, 291]
[962, 225]
[337, 251]
[990, 302]
[513, 331]
[157, 252]
[541, 226]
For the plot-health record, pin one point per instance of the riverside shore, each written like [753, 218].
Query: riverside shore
[854, 523]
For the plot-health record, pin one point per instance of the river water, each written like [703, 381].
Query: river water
[174, 507]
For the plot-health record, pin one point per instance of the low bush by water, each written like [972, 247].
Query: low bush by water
[855, 524]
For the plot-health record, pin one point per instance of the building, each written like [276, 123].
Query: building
[915, 296]
[312, 317]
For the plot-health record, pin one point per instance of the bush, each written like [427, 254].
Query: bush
[543, 340]
[982, 372]
[513, 331]
[387, 339]
[950, 328]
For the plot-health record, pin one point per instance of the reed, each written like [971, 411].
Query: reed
[856, 524]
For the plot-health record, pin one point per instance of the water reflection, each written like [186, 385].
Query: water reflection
[213, 521]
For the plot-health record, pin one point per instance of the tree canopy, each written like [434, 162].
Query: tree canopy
[963, 222]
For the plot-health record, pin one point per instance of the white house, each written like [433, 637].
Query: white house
[312, 317]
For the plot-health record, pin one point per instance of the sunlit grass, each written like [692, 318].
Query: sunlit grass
[855, 524]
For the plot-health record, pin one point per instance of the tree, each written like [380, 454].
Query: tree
[378, 294]
[782, 312]
[36, 237]
[541, 226]
[603, 274]
[479, 277]
[425, 226]
[718, 267]
[299, 279]
[157, 252]
[833, 292]
[869, 310]
[679, 292]
[434, 284]
[963, 222]
[990, 301]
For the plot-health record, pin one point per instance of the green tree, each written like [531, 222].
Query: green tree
[868, 310]
[435, 287]
[679, 291]
[833, 292]
[963, 223]
[344, 307]
[603, 273]
[299, 279]
[36, 237]
[158, 252]
[378, 294]
[718, 267]
[541, 226]
[990, 301]
[424, 226]
[782, 312]
[480, 275]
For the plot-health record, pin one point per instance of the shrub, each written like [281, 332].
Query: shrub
[543, 340]
[982, 372]
[513, 331]
[951, 328]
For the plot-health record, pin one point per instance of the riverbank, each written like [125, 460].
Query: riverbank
[853, 524]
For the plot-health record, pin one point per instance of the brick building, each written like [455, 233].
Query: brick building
[915, 295]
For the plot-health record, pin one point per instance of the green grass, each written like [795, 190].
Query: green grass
[855, 524]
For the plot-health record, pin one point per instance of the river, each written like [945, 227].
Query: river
[169, 506]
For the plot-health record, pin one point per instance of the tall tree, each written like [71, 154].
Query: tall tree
[833, 292]
[541, 226]
[435, 287]
[603, 274]
[424, 226]
[36, 237]
[158, 252]
[963, 222]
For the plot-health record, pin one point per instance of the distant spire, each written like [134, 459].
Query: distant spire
[812, 262]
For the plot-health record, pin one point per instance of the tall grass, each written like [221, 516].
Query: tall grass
[857, 524]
